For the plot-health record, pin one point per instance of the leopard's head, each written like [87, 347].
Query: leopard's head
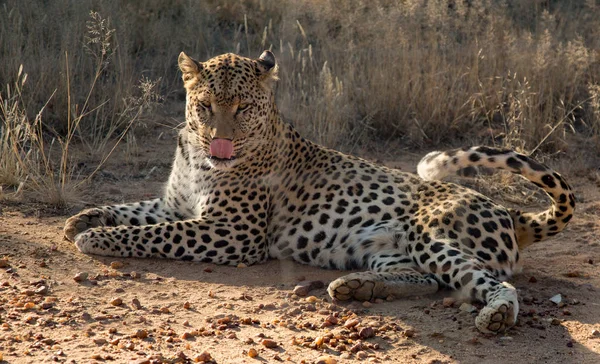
[228, 105]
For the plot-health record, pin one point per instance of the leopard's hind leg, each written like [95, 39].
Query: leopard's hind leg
[416, 267]
[458, 270]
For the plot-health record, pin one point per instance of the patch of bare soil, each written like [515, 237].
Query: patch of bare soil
[58, 305]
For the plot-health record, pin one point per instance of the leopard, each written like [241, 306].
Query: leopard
[246, 187]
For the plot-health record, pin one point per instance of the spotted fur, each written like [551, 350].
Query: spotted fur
[281, 196]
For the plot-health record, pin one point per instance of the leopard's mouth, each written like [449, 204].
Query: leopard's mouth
[213, 159]
[221, 163]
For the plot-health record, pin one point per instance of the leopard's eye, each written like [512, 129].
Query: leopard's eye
[242, 107]
[206, 105]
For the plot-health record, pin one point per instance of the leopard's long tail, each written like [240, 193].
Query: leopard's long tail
[530, 227]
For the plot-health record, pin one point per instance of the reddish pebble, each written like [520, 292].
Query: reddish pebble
[203, 358]
[366, 332]
[350, 323]
[268, 343]
[409, 333]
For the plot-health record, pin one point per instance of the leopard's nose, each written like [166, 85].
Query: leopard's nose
[223, 127]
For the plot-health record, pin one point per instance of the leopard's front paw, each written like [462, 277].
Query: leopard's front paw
[85, 220]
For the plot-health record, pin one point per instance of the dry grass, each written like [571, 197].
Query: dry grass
[37, 158]
[27, 160]
[518, 74]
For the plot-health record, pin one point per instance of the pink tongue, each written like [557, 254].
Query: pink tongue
[221, 148]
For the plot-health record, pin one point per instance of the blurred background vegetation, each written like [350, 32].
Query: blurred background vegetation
[521, 74]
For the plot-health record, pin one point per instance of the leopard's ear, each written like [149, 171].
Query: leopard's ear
[190, 68]
[267, 68]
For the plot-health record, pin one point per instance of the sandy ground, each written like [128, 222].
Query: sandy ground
[154, 311]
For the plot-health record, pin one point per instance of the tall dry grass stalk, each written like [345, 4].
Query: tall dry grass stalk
[522, 74]
[27, 161]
